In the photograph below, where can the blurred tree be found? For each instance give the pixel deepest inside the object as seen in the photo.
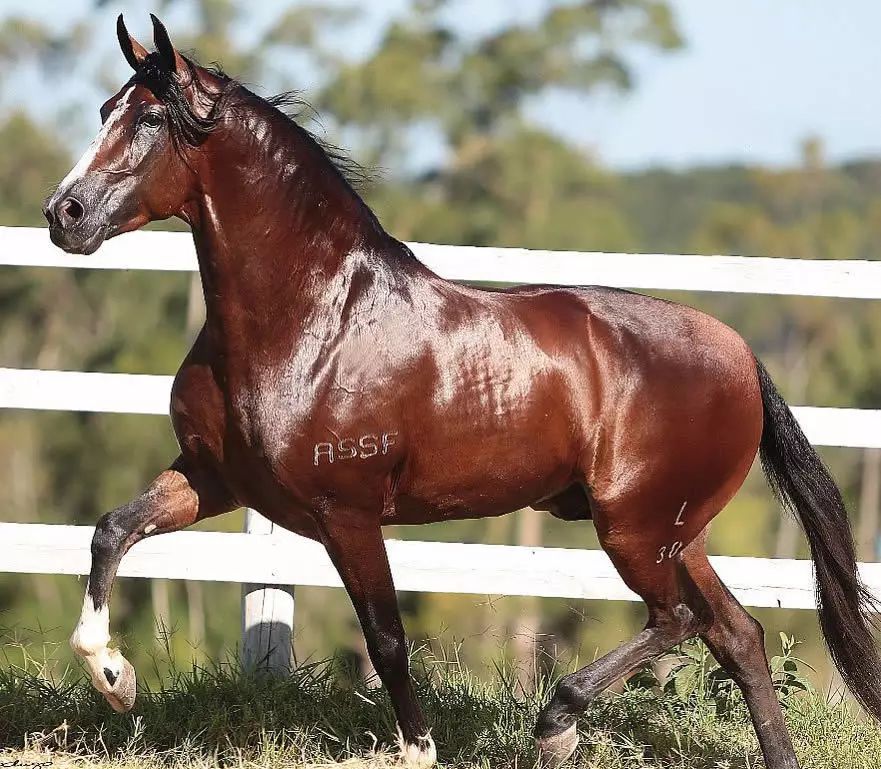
(475, 86)
(24, 39)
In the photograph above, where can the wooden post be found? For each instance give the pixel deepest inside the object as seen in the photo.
(267, 616)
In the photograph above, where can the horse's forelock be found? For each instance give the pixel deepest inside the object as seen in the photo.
(186, 125)
(155, 74)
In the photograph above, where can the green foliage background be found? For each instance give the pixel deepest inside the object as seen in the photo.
(499, 179)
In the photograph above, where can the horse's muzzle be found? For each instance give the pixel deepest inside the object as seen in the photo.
(69, 225)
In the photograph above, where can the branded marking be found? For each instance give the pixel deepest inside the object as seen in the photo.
(679, 521)
(668, 553)
(363, 447)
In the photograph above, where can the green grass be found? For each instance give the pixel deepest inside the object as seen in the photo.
(222, 717)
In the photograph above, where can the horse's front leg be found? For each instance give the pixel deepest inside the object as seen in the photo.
(355, 545)
(177, 498)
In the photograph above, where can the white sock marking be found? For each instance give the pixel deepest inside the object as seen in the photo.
(92, 632)
(89, 641)
(415, 756)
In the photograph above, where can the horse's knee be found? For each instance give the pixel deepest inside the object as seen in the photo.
(743, 639)
(737, 640)
(755, 628)
(109, 536)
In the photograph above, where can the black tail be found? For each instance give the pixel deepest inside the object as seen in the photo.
(803, 485)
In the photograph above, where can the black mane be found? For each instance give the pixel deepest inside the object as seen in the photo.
(191, 129)
(292, 105)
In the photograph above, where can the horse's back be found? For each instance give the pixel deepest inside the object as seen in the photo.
(617, 345)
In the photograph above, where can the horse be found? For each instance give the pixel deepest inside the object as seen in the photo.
(339, 385)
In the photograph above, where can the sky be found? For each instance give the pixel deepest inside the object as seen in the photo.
(755, 79)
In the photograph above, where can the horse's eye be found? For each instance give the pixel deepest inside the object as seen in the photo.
(151, 120)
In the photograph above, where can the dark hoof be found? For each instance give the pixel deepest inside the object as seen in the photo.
(554, 751)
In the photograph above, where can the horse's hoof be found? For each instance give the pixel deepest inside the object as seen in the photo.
(419, 755)
(122, 687)
(553, 751)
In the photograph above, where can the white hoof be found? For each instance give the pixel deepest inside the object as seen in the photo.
(554, 751)
(122, 692)
(421, 755)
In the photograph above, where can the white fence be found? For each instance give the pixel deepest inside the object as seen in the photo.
(275, 557)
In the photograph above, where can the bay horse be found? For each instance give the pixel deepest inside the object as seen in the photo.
(339, 385)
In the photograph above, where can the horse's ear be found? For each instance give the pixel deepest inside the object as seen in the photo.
(133, 51)
(169, 54)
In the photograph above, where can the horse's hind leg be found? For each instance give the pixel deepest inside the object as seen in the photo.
(555, 732)
(685, 598)
(177, 498)
(673, 618)
(737, 642)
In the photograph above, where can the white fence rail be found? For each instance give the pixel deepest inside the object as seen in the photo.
(173, 251)
(148, 394)
(436, 567)
(285, 559)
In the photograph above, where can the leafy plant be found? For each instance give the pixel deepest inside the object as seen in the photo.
(696, 677)
(693, 677)
(786, 671)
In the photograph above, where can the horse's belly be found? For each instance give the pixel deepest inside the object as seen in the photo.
(502, 431)
(471, 473)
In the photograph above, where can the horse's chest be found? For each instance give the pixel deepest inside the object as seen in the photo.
(262, 418)
(265, 422)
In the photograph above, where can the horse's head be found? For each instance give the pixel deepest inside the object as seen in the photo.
(140, 166)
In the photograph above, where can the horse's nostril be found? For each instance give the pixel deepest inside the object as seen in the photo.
(72, 209)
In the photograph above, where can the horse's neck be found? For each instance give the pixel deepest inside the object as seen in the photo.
(254, 281)
(272, 276)
(282, 240)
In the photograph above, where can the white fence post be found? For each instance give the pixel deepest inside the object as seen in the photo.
(267, 615)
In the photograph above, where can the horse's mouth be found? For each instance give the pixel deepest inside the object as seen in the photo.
(75, 243)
